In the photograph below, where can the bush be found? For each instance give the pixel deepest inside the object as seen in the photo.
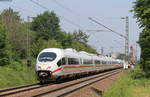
(147, 69)
(137, 73)
(4, 47)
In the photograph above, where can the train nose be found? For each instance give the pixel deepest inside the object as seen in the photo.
(45, 74)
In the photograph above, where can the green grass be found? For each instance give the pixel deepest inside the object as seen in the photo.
(16, 74)
(130, 84)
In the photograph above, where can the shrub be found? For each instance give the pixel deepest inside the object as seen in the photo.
(137, 73)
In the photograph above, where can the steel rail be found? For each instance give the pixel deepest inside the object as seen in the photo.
(20, 89)
(62, 91)
(10, 91)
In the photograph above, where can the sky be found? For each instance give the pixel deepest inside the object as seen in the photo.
(74, 16)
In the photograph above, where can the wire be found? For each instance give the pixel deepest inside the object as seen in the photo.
(67, 20)
(71, 22)
(39, 4)
(23, 9)
(66, 8)
(106, 27)
(62, 6)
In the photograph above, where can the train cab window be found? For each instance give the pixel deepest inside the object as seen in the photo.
(73, 61)
(62, 61)
(47, 56)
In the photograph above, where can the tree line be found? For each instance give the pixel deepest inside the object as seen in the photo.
(141, 11)
(43, 32)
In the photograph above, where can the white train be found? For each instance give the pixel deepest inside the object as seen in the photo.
(55, 63)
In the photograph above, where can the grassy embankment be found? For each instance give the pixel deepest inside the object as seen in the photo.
(131, 84)
(16, 74)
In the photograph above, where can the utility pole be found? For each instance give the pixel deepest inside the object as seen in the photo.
(102, 50)
(28, 43)
(136, 50)
(126, 37)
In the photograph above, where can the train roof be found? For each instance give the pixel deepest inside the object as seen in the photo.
(73, 53)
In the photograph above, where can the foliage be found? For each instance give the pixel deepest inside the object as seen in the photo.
(79, 46)
(80, 36)
(121, 56)
(46, 26)
(4, 47)
(129, 86)
(42, 44)
(45, 32)
(16, 32)
(16, 74)
(141, 10)
(67, 40)
(137, 73)
(17, 37)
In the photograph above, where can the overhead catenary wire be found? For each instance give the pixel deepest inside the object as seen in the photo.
(62, 6)
(106, 27)
(66, 8)
(71, 11)
(67, 20)
(39, 4)
(20, 8)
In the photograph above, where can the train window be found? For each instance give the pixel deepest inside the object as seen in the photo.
(103, 62)
(86, 61)
(62, 61)
(73, 61)
(97, 61)
(47, 56)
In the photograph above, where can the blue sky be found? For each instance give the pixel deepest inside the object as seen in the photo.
(107, 12)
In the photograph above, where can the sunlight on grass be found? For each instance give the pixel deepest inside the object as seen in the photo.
(127, 86)
(16, 74)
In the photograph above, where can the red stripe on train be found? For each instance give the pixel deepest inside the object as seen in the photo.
(57, 69)
(79, 66)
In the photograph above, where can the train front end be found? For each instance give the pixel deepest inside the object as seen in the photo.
(46, 66)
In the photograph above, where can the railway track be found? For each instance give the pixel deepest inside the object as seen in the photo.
(15, 90)
(62, 91)
(56, 90)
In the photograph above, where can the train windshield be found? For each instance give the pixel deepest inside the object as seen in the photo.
(47, 56)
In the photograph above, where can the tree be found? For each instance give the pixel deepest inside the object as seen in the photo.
(120, 56)
(46, 26)
(67, 40)
(42, 44)
(16, 32)
(141, 11)
(11, 20)
(4, 47)
(80, 36)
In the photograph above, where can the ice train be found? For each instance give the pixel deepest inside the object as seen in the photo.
(55, 63)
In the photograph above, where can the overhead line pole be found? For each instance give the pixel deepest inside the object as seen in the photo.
(126, 37)
(106, 27)
(28, 43)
